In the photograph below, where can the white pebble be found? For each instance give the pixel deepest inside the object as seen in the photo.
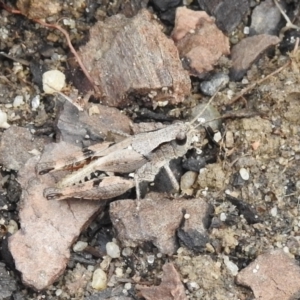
(79, 246)
(119, 272)
(273, 211)
(18, 101)
(35, 102)
(232, 267)
(187, 216)
(127, 251)
(58, 292)
(127, 286)
(223, 217)
(3, 120)
(246, 30)
(150, 259)
(99, 281)
(217, 137)
(244, 174)
(188, 179)
(113, 250)
(53, 81)
(12, 227)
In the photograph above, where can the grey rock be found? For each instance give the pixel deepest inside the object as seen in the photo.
(210, 87)
(164, 5)
(73, 126)
(228, 13)
(7, 283)
(265, 18)
(210, 113)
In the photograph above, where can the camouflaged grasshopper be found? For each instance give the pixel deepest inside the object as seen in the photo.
(143, 154)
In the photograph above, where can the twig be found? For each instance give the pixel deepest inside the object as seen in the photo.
(67, 36)
(289, 23)
(19, 60)
(251, 86)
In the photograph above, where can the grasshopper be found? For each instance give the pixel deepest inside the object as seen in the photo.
(143, 154)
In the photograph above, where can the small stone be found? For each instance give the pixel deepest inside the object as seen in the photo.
(53, 81)
(232, 267)
(12, 226)
(18, 101)
(105, 262)
(35, 102)
(188, 179)
(99, 281)
(246, 30)
(80, 246)
(265, 18)
(273, 211)
(128, 286)
(113, 250)
(209, 88)
(150, 259)
(229, 139)
(210, 113)
(164, 5)
(217, 137)
(228, 13)
(119, 272)
(187, 216)
(223, 217)
(192, 286)
(127, 251)
(3, 120)
(244, 174)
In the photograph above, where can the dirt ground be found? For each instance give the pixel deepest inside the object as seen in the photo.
(256, 161)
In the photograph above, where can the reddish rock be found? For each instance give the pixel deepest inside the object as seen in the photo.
(247, 51)
(132, 57)
(171, 287)
(199, 41)
(16, 146)
(272, 276)
(157, 218)
(48, 228)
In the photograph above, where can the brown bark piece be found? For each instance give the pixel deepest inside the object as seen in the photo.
(272, 276)
(198, 40)
(48, 228)
(133, 57)
(156, 219)
(247, 51)
(171, 287)
(38, 9)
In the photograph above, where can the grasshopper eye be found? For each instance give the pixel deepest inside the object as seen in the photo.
(181, 138)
